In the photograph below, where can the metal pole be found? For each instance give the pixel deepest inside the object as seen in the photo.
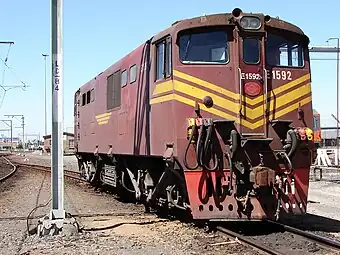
(23, 133)
(45, 55)
(57, 113)
(11, 130)
(337, 98)
(11, 135)
(337, 103)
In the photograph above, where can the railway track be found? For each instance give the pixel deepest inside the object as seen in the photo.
(320, 244)
(257, 243)
(323, 242)
(11, 172)
(67, 173)
(247, 241)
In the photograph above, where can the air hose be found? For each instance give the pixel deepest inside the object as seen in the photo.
(208, 144)
(201, 148)
(193, 131)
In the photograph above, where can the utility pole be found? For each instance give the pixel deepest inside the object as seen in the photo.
(45, 55)
(337, 99)
(11, 128)
(22, 126)
(53, 224)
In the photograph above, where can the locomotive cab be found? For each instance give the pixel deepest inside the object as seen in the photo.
(249, 77)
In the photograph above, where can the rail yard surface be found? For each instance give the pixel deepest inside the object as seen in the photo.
(109, 226)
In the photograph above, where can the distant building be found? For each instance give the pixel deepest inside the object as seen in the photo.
(5, 143)
(68, 141)
(328, 136)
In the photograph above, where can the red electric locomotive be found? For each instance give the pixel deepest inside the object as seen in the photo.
(211, 116)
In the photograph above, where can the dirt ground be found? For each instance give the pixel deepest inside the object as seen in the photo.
(125, 234)
(149, 234)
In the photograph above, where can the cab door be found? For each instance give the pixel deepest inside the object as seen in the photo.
(252, 86)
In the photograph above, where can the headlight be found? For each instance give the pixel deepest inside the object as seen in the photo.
(247, 22)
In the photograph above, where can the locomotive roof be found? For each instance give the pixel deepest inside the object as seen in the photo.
(209, 20)
(222, 19)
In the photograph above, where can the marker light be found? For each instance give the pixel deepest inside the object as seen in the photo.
(248, 22)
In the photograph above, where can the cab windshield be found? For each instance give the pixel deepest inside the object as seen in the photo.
(204, 47)
(284, 50)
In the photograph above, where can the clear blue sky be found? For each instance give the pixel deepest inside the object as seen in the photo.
(97, 33)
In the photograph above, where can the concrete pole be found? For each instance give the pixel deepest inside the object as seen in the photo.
(58, 211)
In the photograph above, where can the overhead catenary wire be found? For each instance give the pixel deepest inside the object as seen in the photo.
(2, 85)
(11, 69)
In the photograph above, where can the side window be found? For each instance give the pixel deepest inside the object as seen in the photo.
(251, 50)
(114, 90)
(92, 95)
(124, 78)
(83, 101)
(163, 59)
(160, 60)
(168, 59)
(133, 73)
(88, 97)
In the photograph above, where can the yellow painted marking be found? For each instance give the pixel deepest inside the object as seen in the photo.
(236, 96)
(163, 87)
(200, 94)
(224, 115)
(205, 84)
(103, 118)
(103, 122)
(103, 115)
(231, 105)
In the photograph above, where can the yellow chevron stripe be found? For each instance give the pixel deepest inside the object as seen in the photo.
(103, 115)
(200, 94)
(103, 122)
(278, 102)
(231, 105)
(163, 87)
(175, 97)
(251, 101)
(206, 84)
(103, 118)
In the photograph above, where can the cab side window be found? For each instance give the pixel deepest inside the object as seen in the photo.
(163, 59)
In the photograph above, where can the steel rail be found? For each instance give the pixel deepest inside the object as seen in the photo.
(248, 241)
(317, 238)
(38, 166)
(11, 173)
(48, 169)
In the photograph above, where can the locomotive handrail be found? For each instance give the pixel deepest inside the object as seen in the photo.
(265, 83)
(241, 91)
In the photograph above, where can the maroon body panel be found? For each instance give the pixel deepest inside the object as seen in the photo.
(102, 127)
